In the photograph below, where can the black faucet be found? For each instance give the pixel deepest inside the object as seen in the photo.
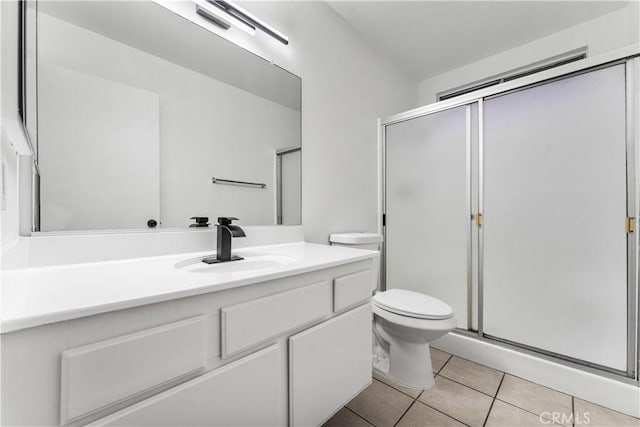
(223, 248)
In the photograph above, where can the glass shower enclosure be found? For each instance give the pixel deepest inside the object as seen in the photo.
(516, 205)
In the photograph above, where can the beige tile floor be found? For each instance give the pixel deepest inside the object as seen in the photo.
(467, 393)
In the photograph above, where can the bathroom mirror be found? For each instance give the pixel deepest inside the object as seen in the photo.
(141, 118)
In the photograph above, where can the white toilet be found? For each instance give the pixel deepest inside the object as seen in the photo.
(404, 324)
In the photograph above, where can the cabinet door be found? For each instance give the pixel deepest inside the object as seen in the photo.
(98, 375)
(247, 392)
(328, 365)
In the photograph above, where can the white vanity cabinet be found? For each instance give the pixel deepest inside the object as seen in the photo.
(288, 351)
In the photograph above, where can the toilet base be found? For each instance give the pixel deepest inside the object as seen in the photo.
(404, 363)
(385, 374)
(401, 346)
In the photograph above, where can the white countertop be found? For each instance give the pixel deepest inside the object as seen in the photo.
(37, 296)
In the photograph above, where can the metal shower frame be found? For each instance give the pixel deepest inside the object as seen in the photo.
(629, 56)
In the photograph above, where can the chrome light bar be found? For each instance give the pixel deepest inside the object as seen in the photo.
(219, 17)
(249, 19)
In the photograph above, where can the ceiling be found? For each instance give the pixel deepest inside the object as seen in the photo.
(426, 38)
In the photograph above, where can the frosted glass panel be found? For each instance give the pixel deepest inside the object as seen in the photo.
(554, 210)
(291, 188)
(426, 207)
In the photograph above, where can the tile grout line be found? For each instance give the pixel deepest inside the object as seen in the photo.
(417, 399)
(404, 413)
(538, 384)
(486, 418)
(402, 391)
(474, 389)
(444, 364)
(397, 386)
(443, 413)
(435, 373)
(524, 409)
(493, 401)
(495, 397)
(358, 415)
(532, 413)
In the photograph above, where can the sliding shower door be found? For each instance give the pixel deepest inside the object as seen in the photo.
(289, 186)
(427, 207)
(555, 203)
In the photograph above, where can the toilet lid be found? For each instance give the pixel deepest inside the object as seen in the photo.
(412, 304)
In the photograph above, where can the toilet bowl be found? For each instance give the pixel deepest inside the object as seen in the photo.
(404, 323)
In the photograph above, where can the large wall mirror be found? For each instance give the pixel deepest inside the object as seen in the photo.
(134, 112)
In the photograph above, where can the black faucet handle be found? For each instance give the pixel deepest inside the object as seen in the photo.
(226, 220)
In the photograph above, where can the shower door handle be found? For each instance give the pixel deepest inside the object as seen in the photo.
(478, 218)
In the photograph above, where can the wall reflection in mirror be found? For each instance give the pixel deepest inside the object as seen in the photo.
(133, 110)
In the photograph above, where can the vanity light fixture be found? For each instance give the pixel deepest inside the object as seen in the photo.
(220, 17)
(225, 13)
(240, 13)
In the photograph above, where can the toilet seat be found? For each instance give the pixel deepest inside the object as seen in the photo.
(414, 322)
(412, 304)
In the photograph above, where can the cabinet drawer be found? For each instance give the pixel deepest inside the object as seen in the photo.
(247, 324)
(97, 375)
(328, 365)
(247, 392)
(352, 289)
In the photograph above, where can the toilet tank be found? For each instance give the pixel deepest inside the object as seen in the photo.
(368, 241)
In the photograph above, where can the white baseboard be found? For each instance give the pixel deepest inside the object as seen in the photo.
(601, 390)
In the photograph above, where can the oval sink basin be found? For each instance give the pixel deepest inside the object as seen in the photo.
(249, 263)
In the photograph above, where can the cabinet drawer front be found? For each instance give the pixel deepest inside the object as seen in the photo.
(97, 375)
(329, 364)
(253, 322)
(247, 392)
(351, 289)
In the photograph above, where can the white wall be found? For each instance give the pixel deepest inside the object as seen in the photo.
(605, 33)
(346, 86)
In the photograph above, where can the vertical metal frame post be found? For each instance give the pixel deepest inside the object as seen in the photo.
(632, 71)
(481, 211)
(469, 214)
(382, 203)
